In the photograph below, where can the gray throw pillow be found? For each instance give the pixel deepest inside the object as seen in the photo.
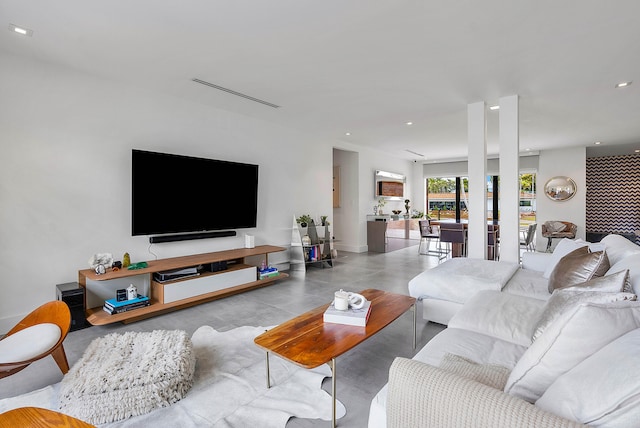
(578, 266)
(564, 299)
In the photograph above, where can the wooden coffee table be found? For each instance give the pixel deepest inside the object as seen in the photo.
(309, 342)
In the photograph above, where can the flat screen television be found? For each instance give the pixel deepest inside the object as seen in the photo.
(181, 194)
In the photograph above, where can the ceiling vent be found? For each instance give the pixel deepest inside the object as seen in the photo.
(232, 92)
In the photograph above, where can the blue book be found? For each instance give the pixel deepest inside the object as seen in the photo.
(115, 304)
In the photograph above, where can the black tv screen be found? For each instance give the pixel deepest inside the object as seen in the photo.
(179, 194)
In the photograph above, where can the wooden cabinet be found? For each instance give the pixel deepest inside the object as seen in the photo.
(168, 296)
(311, 245)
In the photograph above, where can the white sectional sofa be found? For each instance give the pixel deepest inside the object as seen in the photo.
(513, 356)
(444, 289)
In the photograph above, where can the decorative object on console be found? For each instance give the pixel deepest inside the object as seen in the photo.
(139, 265)
(132, 292)
(100, 262)
(406, 205)
(126, 260)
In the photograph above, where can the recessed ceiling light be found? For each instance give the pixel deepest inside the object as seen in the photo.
(494, 107)
(347, 133)
(527, 150)
(637, 150)
(21, 30)
(623, 84)
(409, 123)
(597, 143)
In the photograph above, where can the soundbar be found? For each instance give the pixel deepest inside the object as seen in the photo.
(189, 236)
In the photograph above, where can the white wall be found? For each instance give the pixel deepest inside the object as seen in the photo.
(357, 188)
(65, 174)
(565, 162)
(347, 214)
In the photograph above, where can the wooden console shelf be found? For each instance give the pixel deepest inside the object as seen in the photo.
(159, 305)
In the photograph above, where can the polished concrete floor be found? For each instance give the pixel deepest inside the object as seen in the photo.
(361, 372)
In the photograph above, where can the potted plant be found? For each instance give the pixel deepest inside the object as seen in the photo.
(381, 203)
(304, 220)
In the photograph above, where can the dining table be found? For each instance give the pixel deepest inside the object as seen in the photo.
(457, 249)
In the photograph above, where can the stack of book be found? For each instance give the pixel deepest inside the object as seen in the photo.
(357, 317)
(112, 306)
(268, 272)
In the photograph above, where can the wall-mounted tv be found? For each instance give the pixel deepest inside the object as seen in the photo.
(181, 194)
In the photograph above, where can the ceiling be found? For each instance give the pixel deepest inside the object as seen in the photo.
(365, 67)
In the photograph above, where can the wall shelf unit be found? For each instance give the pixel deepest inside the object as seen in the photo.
(311, 245)
(185, 292)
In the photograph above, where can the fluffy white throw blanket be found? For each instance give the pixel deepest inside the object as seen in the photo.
(128, 374)
(229, 388)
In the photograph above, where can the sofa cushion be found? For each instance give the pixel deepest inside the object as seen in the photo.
(489, 374)
(564, 247)
(613, 373)
(493, 313)
(563, 300)
(530, 283)
(619, 247)
(457, 279)
(631, 263)
(578, 266)
(568, 341)
(477, 347)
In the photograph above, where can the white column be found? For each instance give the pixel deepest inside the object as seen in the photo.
(509, 179)
(477, 168)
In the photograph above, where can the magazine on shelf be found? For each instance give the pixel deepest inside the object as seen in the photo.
(357, 317)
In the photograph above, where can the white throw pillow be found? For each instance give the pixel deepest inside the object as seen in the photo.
(563, 300)
(602, 390)
(568, 341)
(618, 247)
(564, 247)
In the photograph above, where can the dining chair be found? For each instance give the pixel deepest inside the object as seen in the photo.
(493, 241)
(428, 233)
(528, 242)
(455, 236)
(39, 334)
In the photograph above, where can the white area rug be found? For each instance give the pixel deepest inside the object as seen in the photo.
(229, 388)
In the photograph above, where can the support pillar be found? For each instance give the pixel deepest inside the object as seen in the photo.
(509, 179)
(477, 168)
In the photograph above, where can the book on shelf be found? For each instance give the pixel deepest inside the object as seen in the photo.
(357, 317)
(113, 303)
(125, 308)
(268, 273)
